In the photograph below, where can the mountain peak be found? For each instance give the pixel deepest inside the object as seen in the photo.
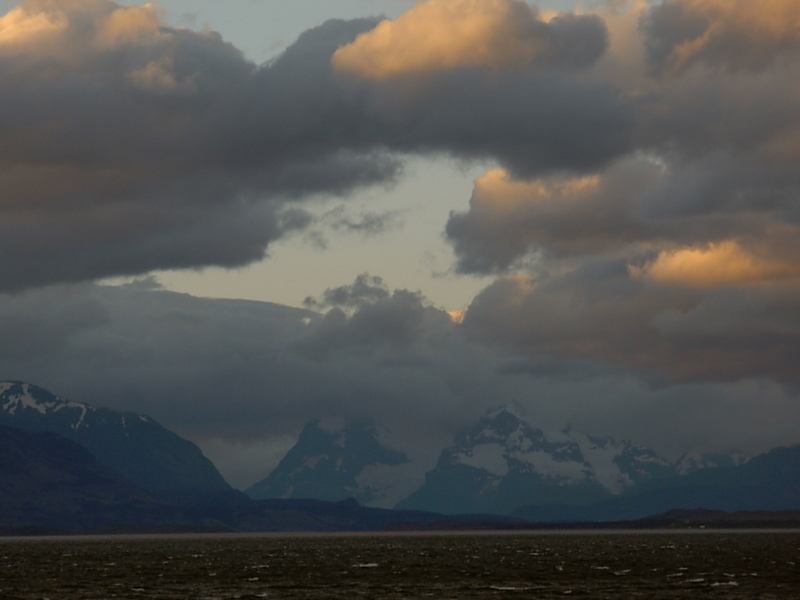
(503, 462)
(505, 411)
(17, 396)
(332, 425)
(133, 445)
(334, 459)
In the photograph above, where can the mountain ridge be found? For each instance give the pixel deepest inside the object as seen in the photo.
(504, 466)
(502, 460)
(767, 482)
(133, 445)
(499, 466)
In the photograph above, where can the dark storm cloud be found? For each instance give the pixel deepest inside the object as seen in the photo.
(243, 372)
(397, 320)
(130, 146)
(531, 121)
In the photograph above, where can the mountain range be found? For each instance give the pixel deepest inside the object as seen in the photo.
(66, 464)
(49, 484)
(503, 465)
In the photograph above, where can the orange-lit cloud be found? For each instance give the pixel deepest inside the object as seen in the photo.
(497, 191)
(457, 316)
(22, 26)
(61, 28)
(445, 34)
(562, 215)
(128, 24)
(723, 263)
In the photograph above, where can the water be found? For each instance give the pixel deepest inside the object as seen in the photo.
(593, 565)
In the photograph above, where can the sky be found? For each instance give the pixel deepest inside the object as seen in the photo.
(238, 216)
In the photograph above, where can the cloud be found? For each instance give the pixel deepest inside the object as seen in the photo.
(735, 34)
(510, 218)
(724, 263)
(603, 311)
(365, 289)
(19, 27)
(134, 146)
(442, 35)
(674, 259)
(242, 378)
(367, 223)
(396, 320)
(236, 374)
(131, 146)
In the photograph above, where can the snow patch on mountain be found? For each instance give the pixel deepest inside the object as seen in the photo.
(502, 463)
(503, 443)
(553, 467)
(134, 445)
(698, 459)
(386, 485)
(335, 459)
(601, 457)
(32, 398)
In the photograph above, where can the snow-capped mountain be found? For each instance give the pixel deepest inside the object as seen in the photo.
(697, 460)
(503, 463)
(133, 445)
(768, 481)
(335, 459)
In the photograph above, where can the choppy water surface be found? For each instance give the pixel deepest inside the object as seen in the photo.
(525, 565)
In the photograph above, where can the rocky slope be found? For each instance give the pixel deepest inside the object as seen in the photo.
(135, 446)
(49, 481)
